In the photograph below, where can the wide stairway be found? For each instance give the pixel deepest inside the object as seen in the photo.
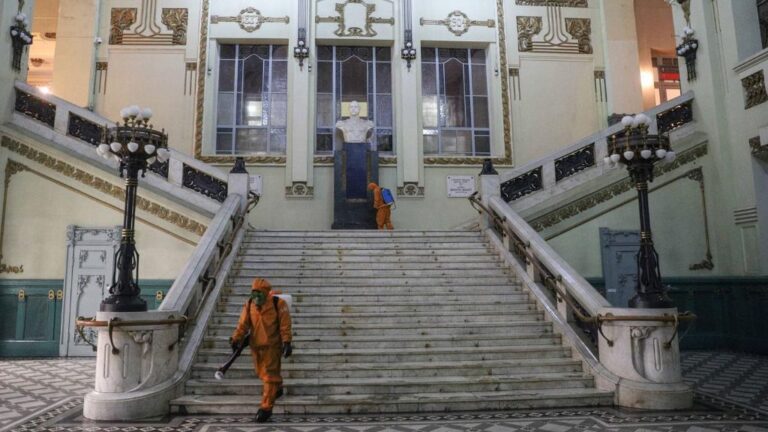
(384, 322)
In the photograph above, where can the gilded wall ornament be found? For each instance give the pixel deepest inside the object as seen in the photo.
(754, 90)
(148, 30)
(88, 179)
(458, 23)
(410, 190)
(249, 19)
(759, 151)
(527, 28)
(504, 71)
(347, 29)
(299, 190)
(581, 30)
(559, 3)
(11, 169)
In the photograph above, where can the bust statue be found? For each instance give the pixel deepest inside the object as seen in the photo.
(355, 129)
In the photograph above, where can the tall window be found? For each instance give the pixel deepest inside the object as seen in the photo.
(346, 74)
(454, 87)
(252, 103)
(666, 79)
(762, 15)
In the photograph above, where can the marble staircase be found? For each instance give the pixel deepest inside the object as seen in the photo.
(384, 322)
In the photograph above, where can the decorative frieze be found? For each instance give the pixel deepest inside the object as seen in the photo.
(458, 23)
(559, 3)
(410, 190)
(148, 30)
(522, 185)
(562, 36)
(249, 19)
(754, 90)
(102, 185)
(354, 29)
(299, 189)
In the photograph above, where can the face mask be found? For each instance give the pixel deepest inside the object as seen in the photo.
(258, 297)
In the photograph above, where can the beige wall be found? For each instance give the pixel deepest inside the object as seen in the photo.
(655, 34)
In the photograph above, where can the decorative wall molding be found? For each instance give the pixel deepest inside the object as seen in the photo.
(458, 23)
(250, 19)
(103, 186)
(299, 189)
(562, 36)
(759, 151)
(190, 73)
(613, 190)
(410, 190)
(148, 30)
(504, 72)
(697, 175)
(517, 91)
(100, 81)
(354, 30)
(559, 3)
(601, 88)
(754, 89)
(11, 169)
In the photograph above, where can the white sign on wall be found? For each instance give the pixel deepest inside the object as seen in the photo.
(254, 184)
(461, 186)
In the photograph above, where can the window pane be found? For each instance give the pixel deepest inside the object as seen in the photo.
(226, 110)
(454, 78)
(454, 112)
(277, 141)
(384, 111)
(384, 142)
(324, 143)
(428, 55)
(324, 77)
(464, 142)
(354, 80)
(482, 145)
(479, 81)
(325, 117)
(429, 111)
(430, 144)
(429, 79)
(383, 78)
(251, 141)
(279, 52)
(324, 53)
(478, 56)
(449, 141)
(279, 76)
(278, 110)
(480, 106)
(226, 75)
(384, 54)
(252, 112)
(252, 74)
(261, 51)
(227, 52)
(224, 142)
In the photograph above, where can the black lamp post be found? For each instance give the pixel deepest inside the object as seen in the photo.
(639, 150)
(135, 145)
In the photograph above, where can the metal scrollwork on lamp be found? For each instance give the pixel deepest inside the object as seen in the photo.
(408, 53)
(301, 51)
(639, 150)
(20, 38)
(134, 145)
(687, 49)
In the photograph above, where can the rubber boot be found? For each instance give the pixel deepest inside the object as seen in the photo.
(263, 415)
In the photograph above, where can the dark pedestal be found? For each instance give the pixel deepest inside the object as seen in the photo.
(354, 167)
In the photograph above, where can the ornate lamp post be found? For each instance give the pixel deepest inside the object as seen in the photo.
(134, 144)
(639, 150)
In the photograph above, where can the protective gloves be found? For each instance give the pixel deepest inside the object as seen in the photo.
(287, 349)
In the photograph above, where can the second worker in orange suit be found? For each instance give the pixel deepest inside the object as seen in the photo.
(383, 212)
(270, 328)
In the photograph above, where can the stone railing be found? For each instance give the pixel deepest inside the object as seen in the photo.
(637, 351)
(144, 358)
(78, 131)
(569, 167)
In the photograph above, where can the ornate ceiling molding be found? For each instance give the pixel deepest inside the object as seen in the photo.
(103, 186)
(345, 30)
(250, 19)
(458, 23)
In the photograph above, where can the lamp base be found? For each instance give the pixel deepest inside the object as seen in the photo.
(116, 303)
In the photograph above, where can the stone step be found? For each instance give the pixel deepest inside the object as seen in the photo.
(495, 306)
(377, 267)
(417, 402)
(403, 240)
(405, 329)
(402, 354)
(394, 289)
(400, 370)
(320, 259)
(399, 341)
(383, 281)
(299, 273)
(467, 246)
(246, 253)
(388, 297)
(342, 319)
(392, 386)
(363, 233)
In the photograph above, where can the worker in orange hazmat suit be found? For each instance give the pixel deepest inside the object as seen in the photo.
(383, 212)
(269, 321)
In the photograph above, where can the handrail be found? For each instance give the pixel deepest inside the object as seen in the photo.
(591, 139)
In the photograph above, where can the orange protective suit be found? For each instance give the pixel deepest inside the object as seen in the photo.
(267, 339)
(383, 212)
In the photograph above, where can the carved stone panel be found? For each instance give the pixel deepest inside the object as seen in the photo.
(90, 257)
(754, 90)
(355, 19)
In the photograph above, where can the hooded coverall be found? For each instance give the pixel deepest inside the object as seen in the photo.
(267, 337)
(383, 212)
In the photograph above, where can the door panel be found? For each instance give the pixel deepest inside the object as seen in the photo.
(619, 255)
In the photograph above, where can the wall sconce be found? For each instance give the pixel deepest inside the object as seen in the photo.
(687, 49)
(408, 53)
(301, 51)
(20, 38)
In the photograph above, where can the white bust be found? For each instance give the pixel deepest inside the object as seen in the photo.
(355, 129)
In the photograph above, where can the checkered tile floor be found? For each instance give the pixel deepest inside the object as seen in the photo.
(732, 395)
